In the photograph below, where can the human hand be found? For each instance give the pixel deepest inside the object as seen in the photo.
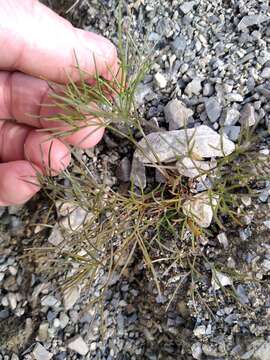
(36, 43)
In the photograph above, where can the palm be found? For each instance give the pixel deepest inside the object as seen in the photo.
(32, 47)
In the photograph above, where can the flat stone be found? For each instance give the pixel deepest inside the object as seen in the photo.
(73, 216)
(248, 117)
(78, 345)
(177, 114)
(179, 44)
(200, 208)
(233, 132)
(251, 20)
(196, 351)
(198, 143)
(70, 297)
(213, 109)
(220, 279)
(40, 353)
(194, 168)
(222, 238)
(56, 237)
(234, 97)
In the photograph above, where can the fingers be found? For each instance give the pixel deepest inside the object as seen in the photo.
(21, 97)
(43, 44)
(20, 142)
(18, 182)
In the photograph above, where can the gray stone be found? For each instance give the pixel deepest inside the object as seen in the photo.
(267, 223)
(179, 44)
(213, 109)
(194, 87)
(123, 170)
(220, 279)
(266, 264)
(231, 117)
(196, 351)
(138, 172)
(73, 216)
(234, 97)
(70, 297)
(198, 143)
(40, 353)
(56, 237)
(141, 92)
(222, 238)
(49, 300)
(78, 345)
(232, 132)
(265, 74)
(240, 291)
(248, 117)
(177, 114)
(2, 210)
(43, 331)
(200, 208)
(250, 20)
(194, 168)
(187, 6)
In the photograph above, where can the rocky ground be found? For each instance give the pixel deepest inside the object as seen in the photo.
(214, 56)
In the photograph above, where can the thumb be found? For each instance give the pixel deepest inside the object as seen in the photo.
(38, 42)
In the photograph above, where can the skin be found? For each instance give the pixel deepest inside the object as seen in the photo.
(38, 44)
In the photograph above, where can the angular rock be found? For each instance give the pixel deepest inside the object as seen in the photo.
(194, 87)
(78, 345)
(40, 353)
(196, 351)
(213, 109)
(123, 170)
(177, 114)
(231, 117)
(70, 297)
(200, 208)
(251, 20)
(56, 237)
(138, 172)
(233, 132)
(194, 168)
(198, 143)
(248, 117)
(234, 97)
(161, 81)
(220, 279)
(73, 216)
(187, 6)
(265, 74)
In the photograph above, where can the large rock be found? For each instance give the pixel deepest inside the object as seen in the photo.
(198, 143)
(194, 168)
(200, 208)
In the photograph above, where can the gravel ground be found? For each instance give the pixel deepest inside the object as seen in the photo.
(215, 57)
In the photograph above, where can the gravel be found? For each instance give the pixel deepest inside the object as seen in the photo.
(205, 52)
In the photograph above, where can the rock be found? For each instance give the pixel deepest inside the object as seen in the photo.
(141, 92)
(12, 300)
(161, 81)
(70, 297)
(240, 291)
(248, 117)
(199, 331)
(232, 132)
(40, 353)
(64, 320)
(258, 349)
(266, 264)
(231, 117)
(200, 208)
(187, 6)
(179, 44)
(138, 172)
(265, 74)
(78, 345)
(177, 114)
(234, 97)
(220, 279)
(201, 142)
(267, 223)
(222, 238)
(251, 20)
(43, 331)
(194, 87)
(73, 216)
(213, 109)
(123, 170)
(56, 237)
(50, 301)
(194, 168)
(2, 210)
(196, 351)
